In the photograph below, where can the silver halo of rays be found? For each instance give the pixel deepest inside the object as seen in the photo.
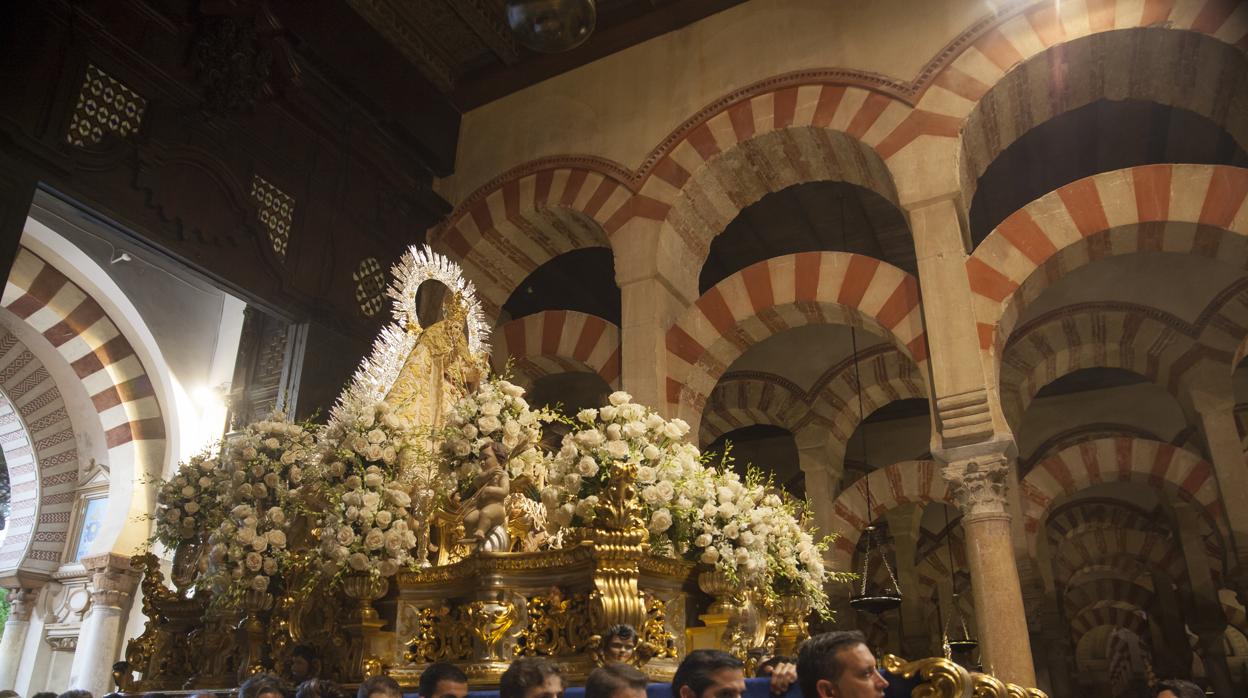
(379, 371)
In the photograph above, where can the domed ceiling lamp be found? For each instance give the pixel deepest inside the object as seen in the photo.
(870, 598)
(551, 26)
(966, 642)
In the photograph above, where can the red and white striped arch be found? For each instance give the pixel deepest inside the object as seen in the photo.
(112, 374)
(1145, 341)
(908, 482)
(827, 413)
(1114, 616)
(559, 341)
(41, 454)
(1190, 209)
(781, 293)
(1097, 591)
(1090, 548)
(1031, 58)
(1119, 459)
(510, 227)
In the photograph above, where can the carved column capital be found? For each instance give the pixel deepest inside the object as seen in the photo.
(22, 603)
(979, 485)
(112, 581)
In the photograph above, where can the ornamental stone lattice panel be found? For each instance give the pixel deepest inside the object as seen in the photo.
(370, 285)
(277, 212)
(105, 106)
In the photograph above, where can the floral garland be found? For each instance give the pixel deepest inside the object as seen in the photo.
(704, 514)
(261, 472)
(186, 504)
(495, 413)
(371, 461)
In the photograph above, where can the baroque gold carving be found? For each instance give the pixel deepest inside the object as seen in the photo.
(557, 626)
(441, 634)
(941, 677)
(490, 621)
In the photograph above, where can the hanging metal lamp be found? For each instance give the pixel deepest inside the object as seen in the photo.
(966, 643)
(551, 26)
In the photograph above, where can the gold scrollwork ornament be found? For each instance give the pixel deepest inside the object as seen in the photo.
(941, 677)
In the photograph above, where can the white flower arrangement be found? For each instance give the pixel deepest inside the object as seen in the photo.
(495, 413)
(261, 471)
(371, 461)
(186, 504)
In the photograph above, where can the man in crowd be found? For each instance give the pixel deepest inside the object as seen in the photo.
(615, 680)
(531, 677)
(709, 674)
(1176, 688)
(379, 687)
(319, 688)
(781, 670)
(443, 680)
(262, 686)
(838, 665)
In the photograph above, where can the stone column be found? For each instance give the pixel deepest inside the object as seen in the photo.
(1175, 657)
(903, 523)
(1058, 652)
(1209, 622)
(21, 605)
(978, 481)
(1216, 408)
(815, 460)
(652, 296)
(112, 590)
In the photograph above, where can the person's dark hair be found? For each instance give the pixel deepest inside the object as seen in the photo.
(695, 671)
(761, 669)
(319, 688)
(76, 693)
(817, 660)
(379, 684)
(302, 651)
(1180, 688)
(439, 671)
(152, 694)
(259, 684)
(525, 673)
(44, 694)
(9, 693)
(609, 678)
(624, 631)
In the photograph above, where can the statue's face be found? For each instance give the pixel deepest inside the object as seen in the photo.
(488, 459)
(619, 650)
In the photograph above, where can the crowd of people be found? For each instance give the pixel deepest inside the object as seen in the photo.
(832, 665)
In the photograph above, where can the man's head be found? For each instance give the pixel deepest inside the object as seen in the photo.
(838, 665)
(443, 680)
(75, 693)
(709, 674)
(319, 688)
(44, 694)
(531, 677)
(765, 669)
(261, 686)
(619, 643)
(615, 680)
(1176, 688)
(304, 663)
(379, 687)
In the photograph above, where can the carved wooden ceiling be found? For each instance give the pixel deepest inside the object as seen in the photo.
(464, 48)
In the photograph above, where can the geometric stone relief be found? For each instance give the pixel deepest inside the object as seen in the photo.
(370, 283)
(104, 106)
(277, 211)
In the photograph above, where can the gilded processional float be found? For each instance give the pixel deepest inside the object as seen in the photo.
(437, 516)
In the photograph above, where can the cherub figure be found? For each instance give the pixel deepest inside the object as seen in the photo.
(484, 509)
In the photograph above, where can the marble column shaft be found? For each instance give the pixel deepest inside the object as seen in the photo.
(22, 604)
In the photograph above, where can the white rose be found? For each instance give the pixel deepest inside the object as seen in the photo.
(491, 408)
(345, 536)
(399, 497)
(384, 518)
(246, 535)
(511, 389)
(260, 543)
(613, 432)
(373, 479)
(590, 437)
(587, 415)
(651, 452)
(371, 500)
(511, 428)
(205, 481)
(619, 397)
(617, 449)
(260, 582)
(572, 482)
(646, 474)
(709, 556)
(376, 436)
(654, 421)
(470, 431)
(587, 467)
(253, 561)
(270, 479)
(660, 521)
(276, 515)
(666, 490)
(277, 539)
(191, 507)
(633, 430)
(607, 413)
(358, 562)
(393, 541)
(374, 539)
(702, 540)
(272, 443)
(650, 494)
(270, 566)
(188, 491)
